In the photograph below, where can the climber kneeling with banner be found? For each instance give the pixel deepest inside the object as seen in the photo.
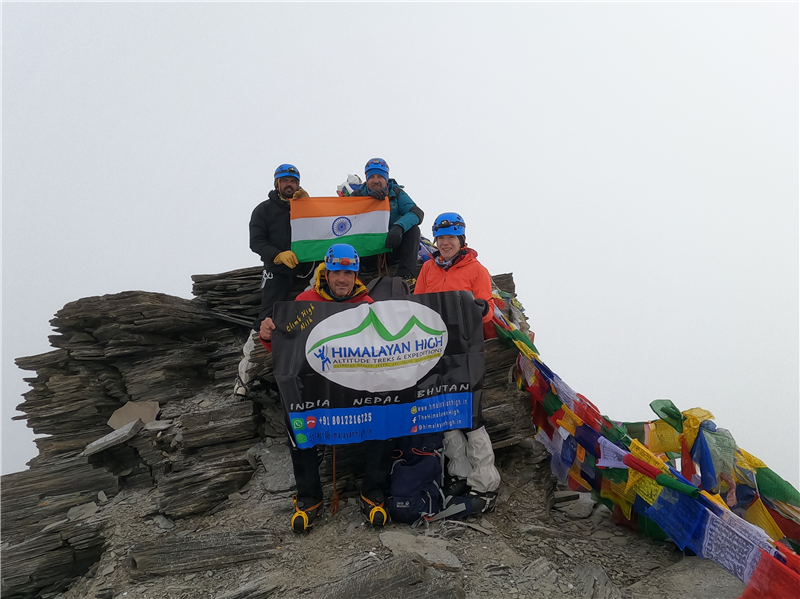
(351, 370)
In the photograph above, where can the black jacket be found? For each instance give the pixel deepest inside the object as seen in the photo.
(271, 233)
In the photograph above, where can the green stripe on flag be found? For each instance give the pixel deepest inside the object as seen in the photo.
(366, 244)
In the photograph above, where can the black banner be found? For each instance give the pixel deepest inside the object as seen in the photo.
(352, 372)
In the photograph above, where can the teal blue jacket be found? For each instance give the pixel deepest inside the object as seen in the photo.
(402, 209)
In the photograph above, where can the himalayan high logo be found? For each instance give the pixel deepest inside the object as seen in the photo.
(385, 346)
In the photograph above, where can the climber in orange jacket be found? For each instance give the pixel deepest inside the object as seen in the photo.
(455, 267)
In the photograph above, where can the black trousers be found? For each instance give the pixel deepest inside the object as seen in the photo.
(405, 255)
(377, 466)
(276, 289)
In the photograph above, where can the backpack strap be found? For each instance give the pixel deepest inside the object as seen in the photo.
(386, 287)
(451, 510)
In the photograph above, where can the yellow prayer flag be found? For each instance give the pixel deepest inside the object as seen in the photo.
(575, 474)
(663, 437)
(525, 350)
(757, 514)
(647, 489)
(607, 491)
(692, 423)
(743, 471)
(570, 420)
(716, 499)
(752, 460)
(699, 413)
(624, 489)
(640, 451)
(633, 478)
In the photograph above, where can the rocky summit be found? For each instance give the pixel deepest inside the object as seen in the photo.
(154, 481)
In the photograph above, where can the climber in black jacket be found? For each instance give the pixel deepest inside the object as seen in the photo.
(271, 239)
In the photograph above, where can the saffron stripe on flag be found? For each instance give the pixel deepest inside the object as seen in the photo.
(366, 244)
(336, 206)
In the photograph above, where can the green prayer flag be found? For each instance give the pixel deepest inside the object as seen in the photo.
(666, 410)
(602, 500)
(635, 430)
(507, 338)
(773, 486)
(504, 337)
(614, 433)
(525, 339)
(551, 403)
(650, 529)
(671, 457)
(615, 475)
(676, 485)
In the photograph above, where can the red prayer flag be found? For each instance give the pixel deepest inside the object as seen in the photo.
(789, 527)
(772, 580)
(792, 560)
(687, 463)
(539, 417)
(559, 415)
(588, 412)
(631, 461)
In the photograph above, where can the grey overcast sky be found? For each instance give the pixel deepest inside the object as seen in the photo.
(635, 165)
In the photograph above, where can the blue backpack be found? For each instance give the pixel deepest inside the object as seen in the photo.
(416, 482)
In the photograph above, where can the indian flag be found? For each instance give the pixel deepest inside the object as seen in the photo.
(318, 223)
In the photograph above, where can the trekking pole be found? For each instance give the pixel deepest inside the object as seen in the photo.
(382, 265)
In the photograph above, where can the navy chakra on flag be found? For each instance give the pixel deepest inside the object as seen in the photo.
(341, 226)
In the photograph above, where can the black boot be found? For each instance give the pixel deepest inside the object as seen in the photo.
(373, 511)
(483, 503)
(306, 510)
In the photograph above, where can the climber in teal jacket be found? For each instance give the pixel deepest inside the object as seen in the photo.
(404, 218)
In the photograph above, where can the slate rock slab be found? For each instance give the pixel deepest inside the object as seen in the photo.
(278, 463)
(82, 511)
(391, 578)
(690, 578)
(202, 552)
(581, 508)
(146, 411)
(595, 583)
(112, 439)
(432, 551)
(258, 589)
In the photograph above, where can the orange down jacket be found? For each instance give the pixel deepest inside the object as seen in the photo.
(466, 274)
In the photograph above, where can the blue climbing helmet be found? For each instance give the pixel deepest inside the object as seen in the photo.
(286, 170)
(377, 166)
(341, 256)
(449, 223)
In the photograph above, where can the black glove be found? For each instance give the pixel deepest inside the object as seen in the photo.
(379, 195)
(394, 236)
(483, 305)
